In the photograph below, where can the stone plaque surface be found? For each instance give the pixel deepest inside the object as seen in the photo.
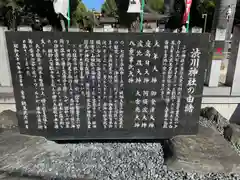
(107, 86)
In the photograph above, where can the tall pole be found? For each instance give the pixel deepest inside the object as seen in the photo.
(69, 23)
(188, 22)
(188, 4)
(205, 22)
(141, 16)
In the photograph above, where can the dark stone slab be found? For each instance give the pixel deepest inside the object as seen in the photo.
(5, 176)
(229, 129)
(206, 152)
(214, 118)
(19, 153)
(8, 120)
(16, 150)
(232, 134)
(127, 119)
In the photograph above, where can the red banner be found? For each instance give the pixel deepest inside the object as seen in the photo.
(187, 11)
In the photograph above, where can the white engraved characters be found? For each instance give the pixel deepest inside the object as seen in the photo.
(142, 69)
(192, 82)
(20, 78)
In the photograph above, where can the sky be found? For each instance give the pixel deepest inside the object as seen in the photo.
(93, 4)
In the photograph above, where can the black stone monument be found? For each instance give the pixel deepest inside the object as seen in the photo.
(85, 86)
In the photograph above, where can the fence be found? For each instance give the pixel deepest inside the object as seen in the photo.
(222, 75)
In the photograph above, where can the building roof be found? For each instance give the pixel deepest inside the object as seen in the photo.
(153, 17)
(149, 15)
(108, 20)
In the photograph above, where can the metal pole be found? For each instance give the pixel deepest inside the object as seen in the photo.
(188, 4)
(69, 23)
(205, 22)
(188, 22)
(141, 15)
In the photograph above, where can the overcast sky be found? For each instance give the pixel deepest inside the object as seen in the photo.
(96, 4)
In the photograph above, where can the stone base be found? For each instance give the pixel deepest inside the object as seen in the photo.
(8, 121)
(35, 156)
(206, 152)
(18, 153)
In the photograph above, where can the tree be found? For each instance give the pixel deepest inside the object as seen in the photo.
(79, 15)
(14, 4)
(156, 5)
(13, 8)
(89, 21)
(207, 7)
(83, 17)
(45, 10)
(200, 7)
(118, 9)
(110, 9)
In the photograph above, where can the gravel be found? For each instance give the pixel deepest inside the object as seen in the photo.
(110, 161)
(100, 161)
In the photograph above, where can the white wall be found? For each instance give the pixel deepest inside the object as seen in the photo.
(5, 77)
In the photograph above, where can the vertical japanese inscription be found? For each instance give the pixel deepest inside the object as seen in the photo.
(110, 83)
(87, 83)
(20, 78)
(121, 85)
(113, 84)
(26, 60)
(168, 113)
(142, 69)
(34, 51)
(99, 75)
(75, 102)
(53, 87)
(60, 74)
(116, 82)
(71, 63)
(104, 71)
(93, 77)
(192, 82)
(42, 97)
(104, 64)
(177, 89)
(68, 93)
(23, 102)
(170, 87)
(80, 88)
